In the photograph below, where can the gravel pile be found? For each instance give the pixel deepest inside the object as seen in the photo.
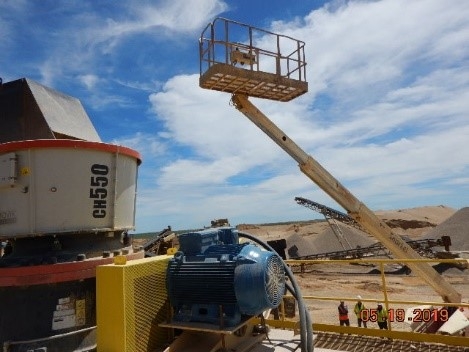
(457, 227)
(327, 241)
(352, 239)
(298, 246)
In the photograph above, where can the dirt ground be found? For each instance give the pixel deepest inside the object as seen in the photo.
(348, 281)
(321, 282)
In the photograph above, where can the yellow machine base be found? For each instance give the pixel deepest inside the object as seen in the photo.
(131, 301)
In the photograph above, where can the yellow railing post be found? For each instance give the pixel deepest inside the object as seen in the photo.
(385, 292)
(302, 264)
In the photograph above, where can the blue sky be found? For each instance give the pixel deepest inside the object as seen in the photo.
(387, 111)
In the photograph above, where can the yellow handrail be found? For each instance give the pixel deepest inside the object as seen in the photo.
(375, 332)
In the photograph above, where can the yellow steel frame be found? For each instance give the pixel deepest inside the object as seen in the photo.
(401, 335)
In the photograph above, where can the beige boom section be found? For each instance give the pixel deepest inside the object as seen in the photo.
(232, 55)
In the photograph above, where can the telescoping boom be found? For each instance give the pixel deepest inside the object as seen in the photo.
(356, 209)
(282, 77)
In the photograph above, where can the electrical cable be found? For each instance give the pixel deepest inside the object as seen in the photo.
(306, 327)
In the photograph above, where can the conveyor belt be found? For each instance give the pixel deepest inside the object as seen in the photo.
(423, 247)
(151, 247)
(420, 246)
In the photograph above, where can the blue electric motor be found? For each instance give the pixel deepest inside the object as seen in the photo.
(214, 279)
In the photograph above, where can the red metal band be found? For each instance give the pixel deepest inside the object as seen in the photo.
(54, 273)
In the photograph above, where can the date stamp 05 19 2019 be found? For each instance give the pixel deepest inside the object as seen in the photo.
(419, 315)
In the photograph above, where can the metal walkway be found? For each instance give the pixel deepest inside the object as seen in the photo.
(357, 343)
(284, 341)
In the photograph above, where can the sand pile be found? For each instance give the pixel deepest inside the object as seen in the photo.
(352, 239)
(432, 214)
(408, 222)
(298, 246)
(414, 222)
(316, 236)
(457, 227)
(327, 241)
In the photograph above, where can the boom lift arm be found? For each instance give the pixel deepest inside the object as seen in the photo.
(277, 72)
(356, 209)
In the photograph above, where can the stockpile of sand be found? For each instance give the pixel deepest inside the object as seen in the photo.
(414, 222)
(317, 237)
(432, 214)
(327, 241)
(299, 246)
(351, 239)
(411, 222)
(457, 227)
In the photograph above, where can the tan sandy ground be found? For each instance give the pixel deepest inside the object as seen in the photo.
(350, 280)
(401, 288)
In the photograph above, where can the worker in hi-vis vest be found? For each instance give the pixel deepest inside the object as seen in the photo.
(382, 317)
(359, 310)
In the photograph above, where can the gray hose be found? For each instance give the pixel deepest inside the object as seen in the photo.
(309, 323)
(306, 327)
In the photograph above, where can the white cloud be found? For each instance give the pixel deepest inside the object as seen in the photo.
(89, 81)
(147, 144)
(177, 16)
(205, 121)
(362, 44)
(393, 130)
